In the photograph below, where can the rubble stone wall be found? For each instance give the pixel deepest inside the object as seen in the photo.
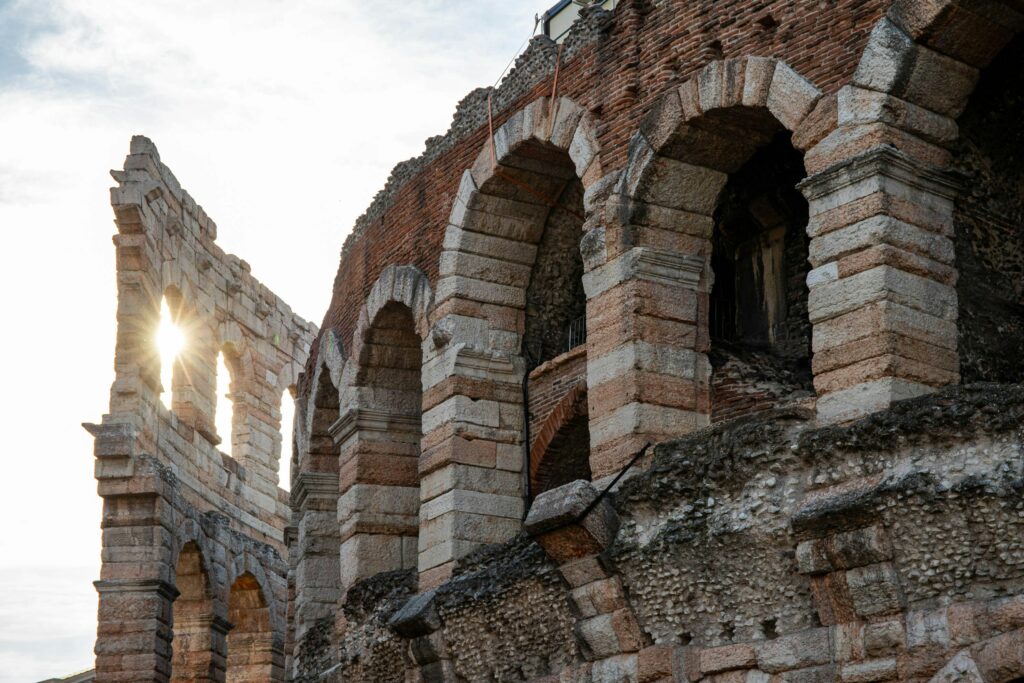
(887, 549)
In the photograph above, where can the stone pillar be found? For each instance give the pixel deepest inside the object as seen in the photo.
(882, 290)
(133, 637)
(379, 492)
(647, 333)
(471, 467)
(315, 498)
(200, 648)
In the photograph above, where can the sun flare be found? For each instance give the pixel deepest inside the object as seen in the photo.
(170, 341)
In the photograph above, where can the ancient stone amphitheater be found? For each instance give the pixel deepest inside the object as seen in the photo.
(692, 352)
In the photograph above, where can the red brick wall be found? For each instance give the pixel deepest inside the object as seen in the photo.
(644, 49)
(550, 382)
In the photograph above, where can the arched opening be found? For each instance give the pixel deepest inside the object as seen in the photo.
(251, 655)
(315, 498)
(758, 323)
(288, 455)
(195, 647)
(555, 301)
(170, 343)
(379, 439)
(224, 410)
(988, 219)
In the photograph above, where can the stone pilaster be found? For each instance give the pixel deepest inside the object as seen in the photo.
(882, 290)
(471, 469)
(378, 492)
(647, 302)
(315, 497)
(133, 637)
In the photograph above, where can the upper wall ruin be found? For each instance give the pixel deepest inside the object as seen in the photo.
(194, 574)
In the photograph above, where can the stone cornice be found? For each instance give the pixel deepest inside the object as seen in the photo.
(313, 485)
(158, 586)
(371, 420)
(884, 161)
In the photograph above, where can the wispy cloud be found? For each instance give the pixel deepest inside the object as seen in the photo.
(283, 118)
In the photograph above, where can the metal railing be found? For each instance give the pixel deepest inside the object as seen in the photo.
(577, 333)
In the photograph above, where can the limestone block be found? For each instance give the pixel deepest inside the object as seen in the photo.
(498, 270)
(509, 135)
(462, 410)
(657, 422)
(875, 590)
(880, 230)
(480, 290)
(884, 317)
(642, 356)
(583, 571)
(583, 148)
(571, 521)
(720, 84)
(794, 651)
(939, 83)
(365, 555)
(727, 657)
(678, 185)
(859, 105)
(645, 263)
(757, 81)
(886, 58)
(960, 669)
(832, 299)
(618, 669)
(567, 118)
(662, 122)
(599, 597)
(927, 628)
(417, 617)
(869, 397)
(791, 97)
(484, 529)
(884, 638)
(473, 502)
(483, 244)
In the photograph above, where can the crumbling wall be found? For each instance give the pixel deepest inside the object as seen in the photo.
(165, 485)
(768, 546)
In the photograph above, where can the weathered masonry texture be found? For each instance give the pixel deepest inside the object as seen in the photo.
(705, 367)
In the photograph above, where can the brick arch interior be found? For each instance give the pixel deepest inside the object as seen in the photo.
(251, 655)
(560, 453)
(197, 645)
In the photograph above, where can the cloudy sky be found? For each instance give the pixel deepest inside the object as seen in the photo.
(281, 117)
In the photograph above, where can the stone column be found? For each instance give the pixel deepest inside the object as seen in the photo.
(882, 290)
(471, 481)
(315, 498)
(133, 637)
(647, 282)
(379, 492)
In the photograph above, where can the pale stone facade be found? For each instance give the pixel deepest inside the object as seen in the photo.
(825, 517)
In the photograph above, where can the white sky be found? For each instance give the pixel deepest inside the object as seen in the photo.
(281, 117)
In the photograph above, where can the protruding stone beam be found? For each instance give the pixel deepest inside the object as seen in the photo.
(575, 525)
(882, 290)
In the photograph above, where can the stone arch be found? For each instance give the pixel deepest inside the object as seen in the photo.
(543, 160)
(379, 431)
(255, 645)
(195, 369)
(649, 274)
(197, 646)
(314, 497)
(561, 449)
